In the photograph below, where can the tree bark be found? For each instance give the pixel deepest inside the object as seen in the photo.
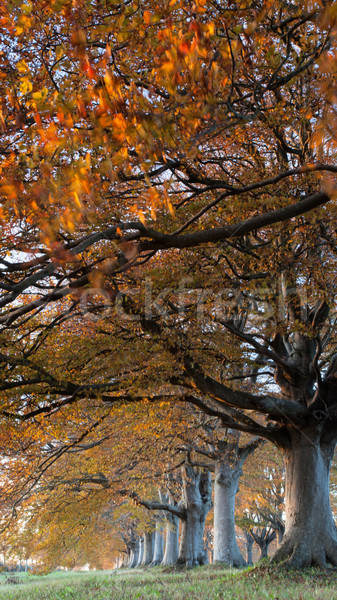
(158, 552)
(310, 533)
(171, 539)
(197, 501)
(148, 548)
(226, 485)
(134, 555)
(171, 551)
(141, 551)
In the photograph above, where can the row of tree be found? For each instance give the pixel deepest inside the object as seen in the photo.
(85, 506)
(89, 505)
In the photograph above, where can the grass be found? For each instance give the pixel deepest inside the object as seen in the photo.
(204, 583)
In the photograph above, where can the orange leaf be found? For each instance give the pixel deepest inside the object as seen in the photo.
(184, 48)
(147, 17)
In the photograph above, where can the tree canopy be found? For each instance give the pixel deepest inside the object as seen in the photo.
(132, 128)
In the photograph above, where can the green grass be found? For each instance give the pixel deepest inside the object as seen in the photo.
(204, 583)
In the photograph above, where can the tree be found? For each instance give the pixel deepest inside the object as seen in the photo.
(225, 454)
(192, 510)
(263, 537)
(196, 503)
(228, 469)
(210, 135)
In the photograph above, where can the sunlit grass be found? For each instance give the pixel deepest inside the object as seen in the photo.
(205, 583)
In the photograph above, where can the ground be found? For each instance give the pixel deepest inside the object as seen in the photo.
(202, 583)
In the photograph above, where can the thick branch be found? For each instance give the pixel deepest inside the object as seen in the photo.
(174, 510)
(279, 409)
(216, 234)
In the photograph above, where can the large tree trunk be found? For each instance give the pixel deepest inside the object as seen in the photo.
(226, 485)
(171, 552)
(191, 549)
(310, 532)
(148, 548)
(171, 540)
(158, 551)
(141, 551)
(197, 501)
(134, 556)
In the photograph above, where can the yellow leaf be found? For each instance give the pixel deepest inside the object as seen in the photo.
(141, 217)
(77, 200)
(119, 122)
(210, 28)
(25, 86)
(70, 225)
(168, 67)
(22, 66)
(171, 208)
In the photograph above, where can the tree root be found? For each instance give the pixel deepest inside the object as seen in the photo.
(300, 554)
